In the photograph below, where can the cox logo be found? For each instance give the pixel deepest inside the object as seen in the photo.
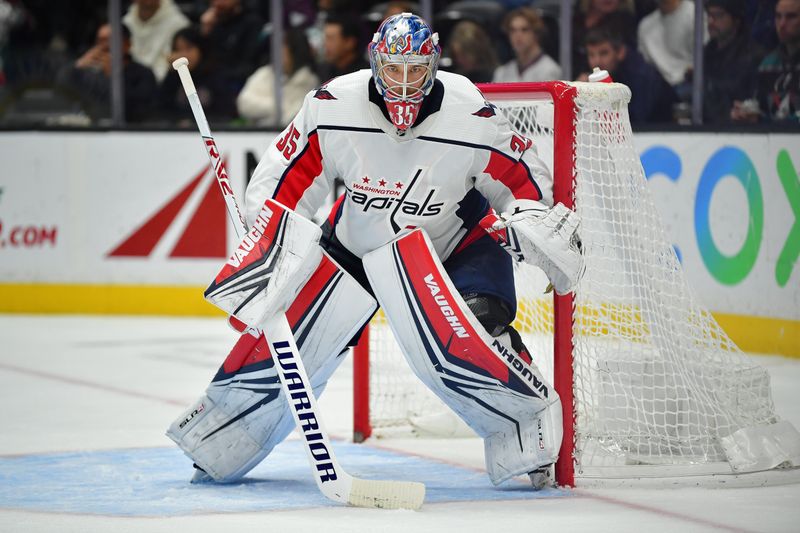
(732, 161)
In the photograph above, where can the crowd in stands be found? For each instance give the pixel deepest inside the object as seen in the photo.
(751, 54)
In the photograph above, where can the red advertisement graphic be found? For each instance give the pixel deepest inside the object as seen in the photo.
(27, 235)
(204, 235)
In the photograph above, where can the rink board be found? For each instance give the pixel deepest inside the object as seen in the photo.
(154, 482)
(133, 223)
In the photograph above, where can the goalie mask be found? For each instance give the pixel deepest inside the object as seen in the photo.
(404, 54)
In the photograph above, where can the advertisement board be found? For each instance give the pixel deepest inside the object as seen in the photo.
(133, 221)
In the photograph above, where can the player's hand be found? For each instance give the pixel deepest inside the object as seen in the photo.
(91, 59)
(745, 111)
(208, 20)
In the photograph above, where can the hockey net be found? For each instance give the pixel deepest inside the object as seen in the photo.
(651, 386)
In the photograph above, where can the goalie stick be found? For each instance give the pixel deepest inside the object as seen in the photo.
(331, 479)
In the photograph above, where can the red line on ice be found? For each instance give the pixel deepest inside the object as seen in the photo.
(91, 384)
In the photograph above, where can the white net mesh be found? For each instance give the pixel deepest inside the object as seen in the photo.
(657, 381)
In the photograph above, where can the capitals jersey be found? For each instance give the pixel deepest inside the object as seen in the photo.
(442, 174)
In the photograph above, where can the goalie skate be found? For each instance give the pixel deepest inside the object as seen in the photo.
(542, 477)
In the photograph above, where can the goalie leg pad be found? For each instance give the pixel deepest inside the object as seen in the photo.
(243, 414)
(491, 386)
(504, 459)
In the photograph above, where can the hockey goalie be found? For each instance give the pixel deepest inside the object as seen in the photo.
(441, 197)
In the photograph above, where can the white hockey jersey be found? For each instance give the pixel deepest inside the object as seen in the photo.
(398, 182)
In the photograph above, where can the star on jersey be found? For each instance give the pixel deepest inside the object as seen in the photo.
(365, 179)
(382, 183)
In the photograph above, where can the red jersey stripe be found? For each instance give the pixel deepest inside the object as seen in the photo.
(514, 175)
(301, 174)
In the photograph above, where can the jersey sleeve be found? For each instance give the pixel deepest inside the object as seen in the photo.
(292, 170)
(510, 169)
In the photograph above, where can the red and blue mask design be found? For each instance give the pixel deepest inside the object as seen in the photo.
(404, 54)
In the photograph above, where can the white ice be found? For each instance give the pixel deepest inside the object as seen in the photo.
(93, 384)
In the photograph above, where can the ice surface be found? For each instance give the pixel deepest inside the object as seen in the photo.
(86, 401)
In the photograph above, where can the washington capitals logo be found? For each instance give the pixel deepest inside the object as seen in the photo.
(323, 94)
(395, 199)
(486, 111)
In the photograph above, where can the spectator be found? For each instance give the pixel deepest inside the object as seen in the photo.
(526, 30)
(316, 30)
(760, 16)
(46, 37)
(651, 96)
(10, 16)
(90, 76)
(666, 40)
(343, 53)
(153, 23)
(616, 15)
(730, 59)
(219, 101)
(256, 102)
(397, 7)
(642, 8)
(233, 33)
(472, 52)
(778, 83)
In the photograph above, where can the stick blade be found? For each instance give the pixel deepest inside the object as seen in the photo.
(386, 494)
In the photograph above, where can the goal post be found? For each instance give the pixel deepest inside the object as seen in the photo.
(563, 168)
(651, 386)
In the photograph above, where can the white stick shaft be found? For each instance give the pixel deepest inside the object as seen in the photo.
(331, 479)
(217, 163)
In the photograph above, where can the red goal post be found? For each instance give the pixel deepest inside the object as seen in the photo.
(563, 191)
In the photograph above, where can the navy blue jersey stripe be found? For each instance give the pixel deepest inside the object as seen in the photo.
(348, 128)
(466, 144)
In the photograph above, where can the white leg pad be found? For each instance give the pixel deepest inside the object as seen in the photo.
(496, 392)
(225, 454)
(504, 459)
(243, 414)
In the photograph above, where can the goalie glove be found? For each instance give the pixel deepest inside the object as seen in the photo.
(541, 236)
